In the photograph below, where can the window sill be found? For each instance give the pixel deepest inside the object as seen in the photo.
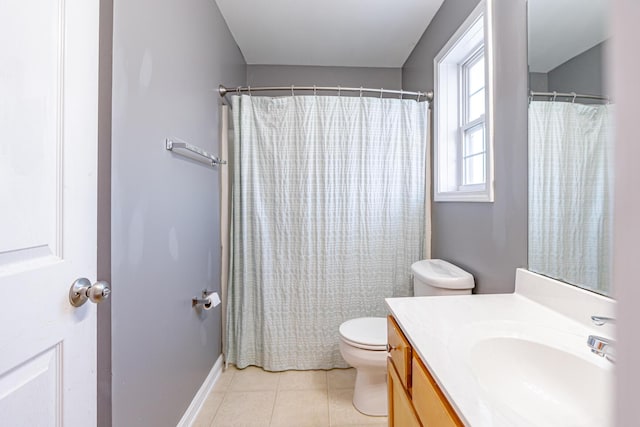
(464, 196)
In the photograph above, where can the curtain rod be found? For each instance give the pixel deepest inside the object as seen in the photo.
(223, 91)
(573, 95)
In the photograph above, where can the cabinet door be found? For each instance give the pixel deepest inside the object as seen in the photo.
(401, 413)
(430, 403)
(399, 352)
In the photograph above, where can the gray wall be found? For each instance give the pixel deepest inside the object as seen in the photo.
(104, 212)
(168, 58)
(581, 74)
(487, 239)
(287, 75)
(539, 82)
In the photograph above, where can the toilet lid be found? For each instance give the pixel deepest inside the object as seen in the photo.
(366, 332)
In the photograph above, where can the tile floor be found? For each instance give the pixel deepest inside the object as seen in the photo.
(254, 397)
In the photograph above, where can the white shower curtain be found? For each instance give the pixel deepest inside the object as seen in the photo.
(570, 185)
(328, 215)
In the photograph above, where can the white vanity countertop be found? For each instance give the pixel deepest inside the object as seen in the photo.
(445, 331)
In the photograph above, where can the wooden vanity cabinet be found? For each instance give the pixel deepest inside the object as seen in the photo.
(414, 397)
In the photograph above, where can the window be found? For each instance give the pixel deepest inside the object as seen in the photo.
(462, 112)
(472, 124)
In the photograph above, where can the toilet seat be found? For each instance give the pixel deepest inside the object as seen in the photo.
(368, 333)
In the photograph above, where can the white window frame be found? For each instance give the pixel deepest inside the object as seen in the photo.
(449, 109)
(465, 124)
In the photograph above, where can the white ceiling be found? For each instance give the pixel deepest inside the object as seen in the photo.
(562, 29)
(353, 33)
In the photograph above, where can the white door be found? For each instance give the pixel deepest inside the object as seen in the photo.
(48, 145)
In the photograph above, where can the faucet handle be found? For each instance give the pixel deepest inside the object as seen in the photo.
(601, 320)
(597, 344)
(603, 347)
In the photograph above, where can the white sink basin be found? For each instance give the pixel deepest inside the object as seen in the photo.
(544, 385)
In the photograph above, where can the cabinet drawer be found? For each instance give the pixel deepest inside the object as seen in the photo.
(430, 404)
(399, 352)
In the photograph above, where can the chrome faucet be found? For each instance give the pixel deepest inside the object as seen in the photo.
(603, 347)
(601, 320)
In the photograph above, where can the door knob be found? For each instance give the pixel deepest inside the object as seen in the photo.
(82, 290)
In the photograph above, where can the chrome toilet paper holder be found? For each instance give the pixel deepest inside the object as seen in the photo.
(204, 301)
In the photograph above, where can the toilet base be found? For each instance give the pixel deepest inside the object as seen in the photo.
(370, 392)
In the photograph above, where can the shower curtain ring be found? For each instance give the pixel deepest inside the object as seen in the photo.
(249, 89)
(401, 94)
(574, 97)
(360, 91)
(238, 91)
(554, 95)
(292, 94)
(338, 90)
(418, 98)
(381, 90)
(314, 90)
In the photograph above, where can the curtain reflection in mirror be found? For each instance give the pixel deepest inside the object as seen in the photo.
(570, 183)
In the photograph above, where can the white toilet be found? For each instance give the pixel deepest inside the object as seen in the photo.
(363, 341)
(363, 345)
(433, 277)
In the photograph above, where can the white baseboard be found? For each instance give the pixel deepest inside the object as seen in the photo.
(196, 404)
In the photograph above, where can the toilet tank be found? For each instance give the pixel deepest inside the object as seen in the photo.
(437, 277)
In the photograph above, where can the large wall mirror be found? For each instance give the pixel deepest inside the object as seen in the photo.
(570, 142)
